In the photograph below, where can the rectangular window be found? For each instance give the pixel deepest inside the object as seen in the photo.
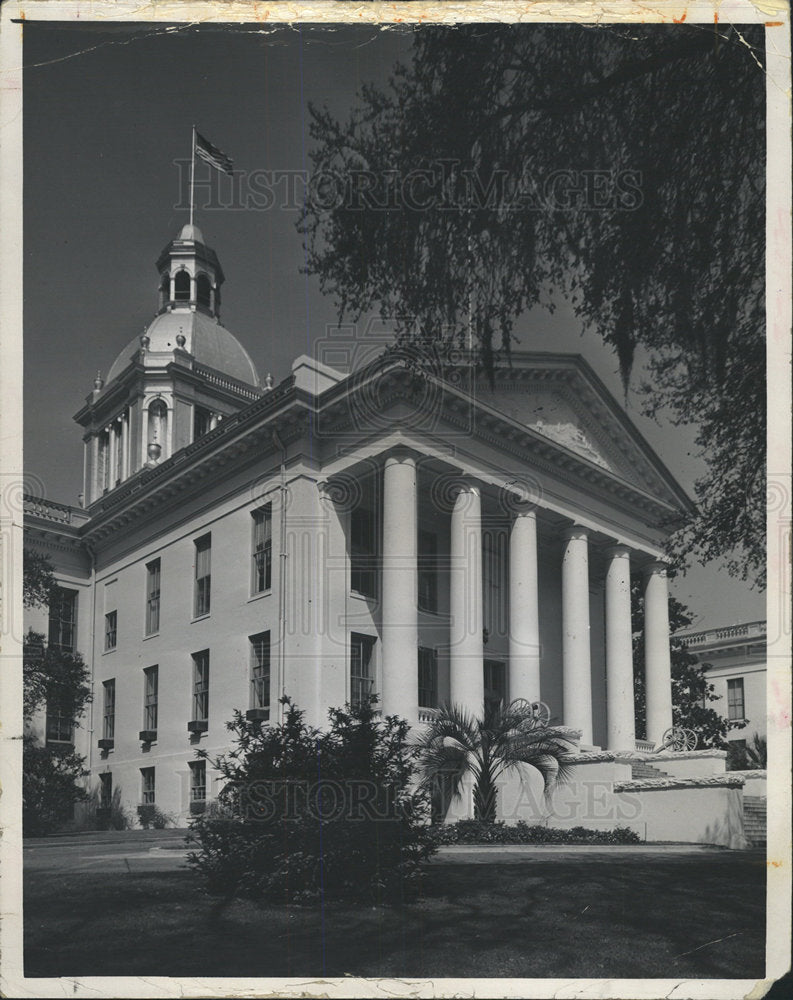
(428, 571)
(147, 786)
(111, 627)
(495, 683)
(62, 633)
(494, 582)
(735, 703)
(150, 676)
(153, 597)
(201, 685)
(198, 780)
(60, 724)
(361, 668)
(260, 671)
(262, 548)
(363, 552)
(203, 575)
(109, 710)
(105, 790)
(428, 677)
(201, 422)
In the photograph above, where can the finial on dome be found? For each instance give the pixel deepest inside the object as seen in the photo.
(268, 382)
(99, 382)
(191, 232)
(145, 340)
(181, 340)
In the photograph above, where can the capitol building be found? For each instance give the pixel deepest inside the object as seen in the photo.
(413, 529)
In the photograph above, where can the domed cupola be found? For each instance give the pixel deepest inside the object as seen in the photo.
(190, 274)
(173, 383)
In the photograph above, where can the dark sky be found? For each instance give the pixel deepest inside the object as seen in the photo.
(107, 112)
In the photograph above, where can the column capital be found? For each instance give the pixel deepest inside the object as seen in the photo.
(617, 551)
(520, 497)
(400, 453)
(656, 567)
(575, 531)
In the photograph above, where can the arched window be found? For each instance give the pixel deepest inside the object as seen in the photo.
(181, 286)
(165, 290)
(203, 291)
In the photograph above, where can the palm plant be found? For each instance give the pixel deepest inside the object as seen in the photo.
(505, 738)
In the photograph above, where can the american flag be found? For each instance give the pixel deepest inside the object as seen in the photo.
(212, 155)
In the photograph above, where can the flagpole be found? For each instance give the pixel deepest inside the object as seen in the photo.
(192, 174)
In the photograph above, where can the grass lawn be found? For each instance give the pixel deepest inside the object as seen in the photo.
(560, 915)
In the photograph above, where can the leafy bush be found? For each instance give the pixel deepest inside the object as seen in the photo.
(152, 818)
(473, 831)
(306, 813)
(50, 789)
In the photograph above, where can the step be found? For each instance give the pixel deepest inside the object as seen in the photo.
(641, 769)
(754, 820)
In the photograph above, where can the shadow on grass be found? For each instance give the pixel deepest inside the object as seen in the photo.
(693, 916)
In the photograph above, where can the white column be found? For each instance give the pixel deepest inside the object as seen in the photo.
(125, 444)
(621, 726)
(524, 615)
(657, 661)
(110, 477)
(576, 654)
(400, 682)
(466, 652)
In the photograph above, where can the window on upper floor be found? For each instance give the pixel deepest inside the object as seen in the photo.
(428, 677)
(361, 668)
(150, 698)
(260, 671)
(203, 575)
(428, 571)
(735, 703)
(202, 419)
(111, 630)
(153, 597)
(201, 686)
(109, 709)
(62, 629)
(59, 723)
(363, 552)
(262, 555)
(494, 583)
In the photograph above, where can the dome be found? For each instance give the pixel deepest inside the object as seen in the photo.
(209, 343)
(191, 232)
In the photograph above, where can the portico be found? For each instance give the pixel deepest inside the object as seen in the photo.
(408, 494)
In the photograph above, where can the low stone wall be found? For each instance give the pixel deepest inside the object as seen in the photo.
(755, 782)
(690, 811)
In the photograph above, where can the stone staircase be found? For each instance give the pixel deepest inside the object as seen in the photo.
(754, 820)
(640, 769)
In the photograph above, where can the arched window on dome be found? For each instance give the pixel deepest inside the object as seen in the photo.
(181, 286)
(203, 291)
(165, 290)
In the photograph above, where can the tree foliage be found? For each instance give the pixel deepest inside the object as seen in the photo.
(619, 167)
(692, 693)
(306, 813)
(506, 738)
(60, 679)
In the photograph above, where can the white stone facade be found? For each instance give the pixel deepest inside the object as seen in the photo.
(419, 532)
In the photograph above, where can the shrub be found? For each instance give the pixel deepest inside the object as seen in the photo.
(152, 818)
(50, 788)
(473, 831)
(305, 813)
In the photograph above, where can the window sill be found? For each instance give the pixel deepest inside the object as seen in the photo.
(111, 650)
(260, 595)
(200, 618)
(197, 726)
(151, 635)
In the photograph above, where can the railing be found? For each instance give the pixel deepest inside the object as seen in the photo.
(645, 746)
(49, 510)
(427, 714)
(226, 382)
(745, 631)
